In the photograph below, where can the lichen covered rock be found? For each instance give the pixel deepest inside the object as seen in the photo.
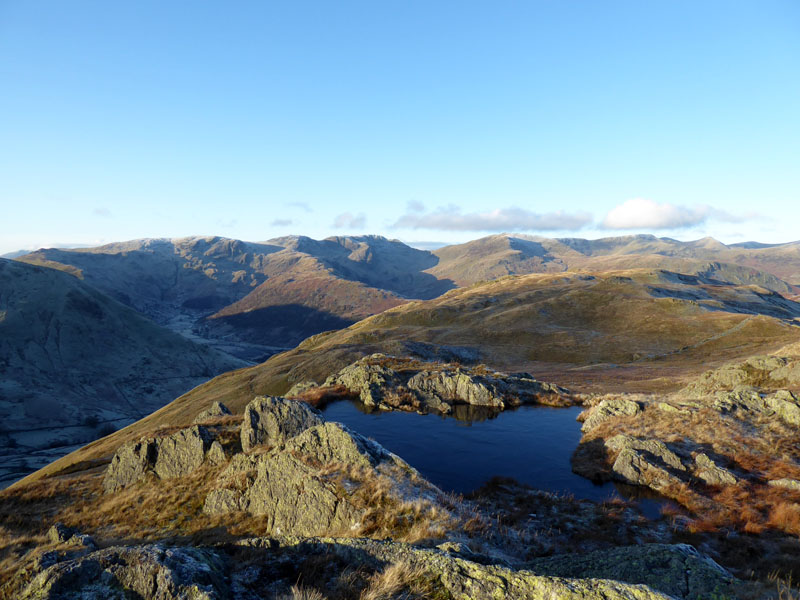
(217, 409)
(271, 420)
(711, 473)
(610, 408)
(166, 457)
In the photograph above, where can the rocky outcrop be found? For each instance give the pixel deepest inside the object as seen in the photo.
(61, 534)
(646, 462)
(166, 457)
(607, 409)
(711, 473)
(217, 410)
(302, 481)
(763, 372)
(678, 570)
(298, 486)
(393, 383)
(156, 571)
(270, 420)
(369, 378)
(151, 572)
(747, 402)
(789, 484)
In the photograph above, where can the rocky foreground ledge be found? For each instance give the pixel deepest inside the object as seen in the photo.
(283, 503)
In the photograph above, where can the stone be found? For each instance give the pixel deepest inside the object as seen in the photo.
(632, 466)
(300, 387)
(271, 420)
(367, 379)
(648, 463)
(789, 484)
(786, 406)
(161, 572)
(675, 569)
(129, 464)
(181, 453)
(151, 572)
(217, 409)
(222, 501)
(610, 408)
(656, 448)
(166, 457)
(216, 454)
(711, 473)
(333, 443)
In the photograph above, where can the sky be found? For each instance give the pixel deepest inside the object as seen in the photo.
(422, 121)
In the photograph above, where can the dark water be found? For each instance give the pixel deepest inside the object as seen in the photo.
(531, 444)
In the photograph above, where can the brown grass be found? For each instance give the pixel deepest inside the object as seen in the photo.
(395, 578)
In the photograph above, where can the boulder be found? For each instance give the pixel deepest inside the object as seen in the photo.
(300, 387)
(786, 407)
(217, 409)
(61, 534)
(649, 463)
(130, 463)
(170, 456)
(789, 484)
(707, 470)
(610, 408)
(271, 420)
(181, 453)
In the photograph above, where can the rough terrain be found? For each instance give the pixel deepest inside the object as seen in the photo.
(249, 534)
(76, 365)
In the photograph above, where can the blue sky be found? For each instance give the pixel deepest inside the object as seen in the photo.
(440, 121)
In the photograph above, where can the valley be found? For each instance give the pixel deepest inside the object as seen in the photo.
(619, 396)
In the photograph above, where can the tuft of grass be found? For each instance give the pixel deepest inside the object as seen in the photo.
(399, 577)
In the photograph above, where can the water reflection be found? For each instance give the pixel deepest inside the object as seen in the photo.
(462, 451)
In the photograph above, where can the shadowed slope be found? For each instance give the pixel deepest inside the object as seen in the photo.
(73, 359)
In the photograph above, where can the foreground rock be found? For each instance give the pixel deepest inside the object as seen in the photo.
(307, 473)
(273, 566)
(404, 384)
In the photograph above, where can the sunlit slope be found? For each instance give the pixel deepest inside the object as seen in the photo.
(776, 267)
(637, 329)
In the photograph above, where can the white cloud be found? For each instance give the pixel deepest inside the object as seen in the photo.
(102, 212)
(501, 219)
(641, 213)
(301, 205)
(350, 221)
(281, 222)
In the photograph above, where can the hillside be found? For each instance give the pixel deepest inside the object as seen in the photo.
(252, 299)
(637, 330)
(76, 363)
(255, 299)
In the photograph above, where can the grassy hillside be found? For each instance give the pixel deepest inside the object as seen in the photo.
(635, 330)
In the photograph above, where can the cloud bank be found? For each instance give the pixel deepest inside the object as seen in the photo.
(502, 219)
(640, 213)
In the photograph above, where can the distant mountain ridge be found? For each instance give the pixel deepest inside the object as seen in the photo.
(253, 299)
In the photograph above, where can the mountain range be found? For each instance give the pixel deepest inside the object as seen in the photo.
(254, 299)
